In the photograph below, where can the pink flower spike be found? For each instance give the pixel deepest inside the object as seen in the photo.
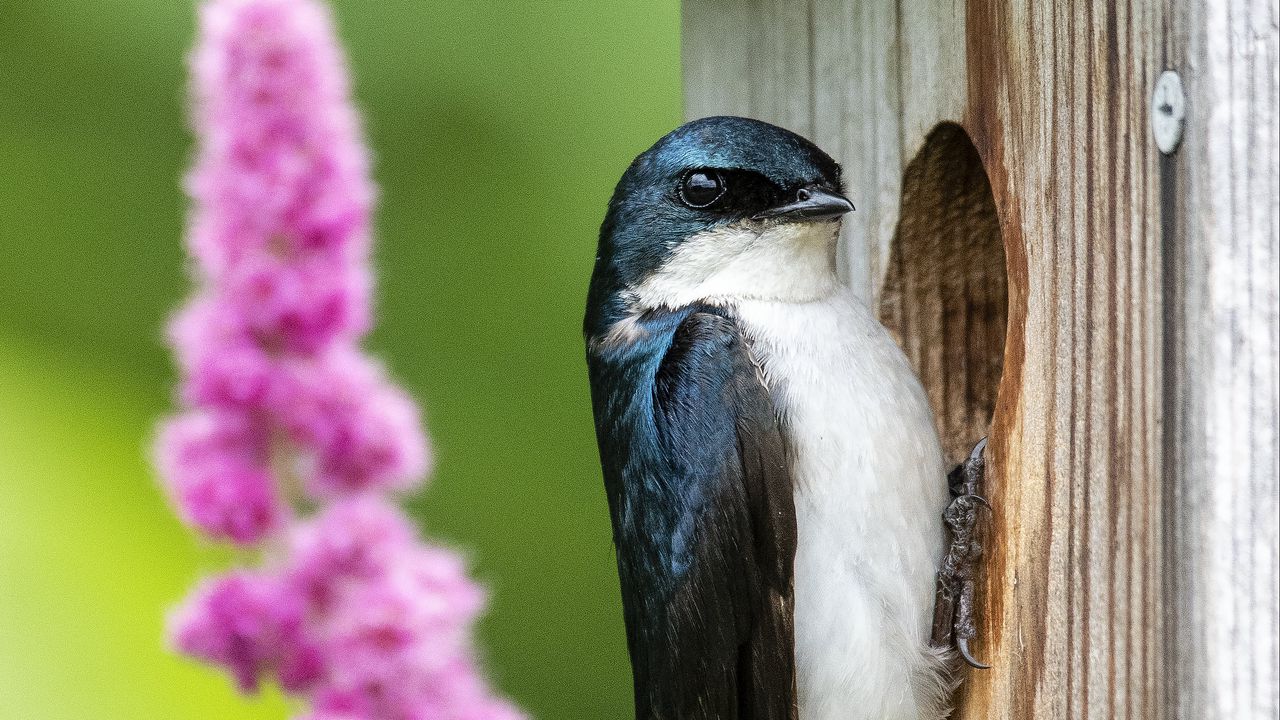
(353, 613)
(282, 167)
(211, 468)
(358, 539)
(357, 431)
(251, 625)
(447, 596)
(301, 306)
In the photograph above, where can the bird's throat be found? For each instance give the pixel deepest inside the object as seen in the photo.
(780, 261)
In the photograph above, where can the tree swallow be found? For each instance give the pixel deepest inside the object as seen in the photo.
(775, 481)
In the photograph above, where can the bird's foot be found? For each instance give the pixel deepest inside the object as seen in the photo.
(953, 621)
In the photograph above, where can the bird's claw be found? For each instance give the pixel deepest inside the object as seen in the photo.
(953, 621)
(962, 644)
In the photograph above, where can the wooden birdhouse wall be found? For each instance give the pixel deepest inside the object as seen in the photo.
(1107, 312)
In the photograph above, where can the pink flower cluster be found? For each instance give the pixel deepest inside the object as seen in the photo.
(282, 410)
(357, 614)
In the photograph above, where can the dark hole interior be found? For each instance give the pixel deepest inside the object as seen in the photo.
(945, 295)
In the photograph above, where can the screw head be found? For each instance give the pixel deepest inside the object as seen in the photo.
(1168, 111)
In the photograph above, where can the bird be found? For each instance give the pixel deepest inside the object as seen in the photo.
(775, 481)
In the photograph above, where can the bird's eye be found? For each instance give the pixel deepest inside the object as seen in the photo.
(701, 188)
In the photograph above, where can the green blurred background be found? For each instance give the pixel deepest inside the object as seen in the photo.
(540, 104)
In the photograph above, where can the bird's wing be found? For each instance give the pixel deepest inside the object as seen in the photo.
(706, 535)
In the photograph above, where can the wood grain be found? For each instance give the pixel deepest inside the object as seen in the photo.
(753, 58)
(856, 119)
(1132, 569)
(1220, 205)
(945, 296)
(1057, 106)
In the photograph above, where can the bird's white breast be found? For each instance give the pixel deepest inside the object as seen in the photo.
(870, 478)
(870, 489)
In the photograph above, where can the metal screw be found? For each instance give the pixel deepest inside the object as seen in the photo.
(1168, 111)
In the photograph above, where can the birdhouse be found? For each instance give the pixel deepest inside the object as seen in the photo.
(1067, 214)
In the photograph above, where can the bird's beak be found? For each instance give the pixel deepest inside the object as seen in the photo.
(811, 203)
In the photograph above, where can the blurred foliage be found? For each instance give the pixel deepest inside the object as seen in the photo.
(499, 131)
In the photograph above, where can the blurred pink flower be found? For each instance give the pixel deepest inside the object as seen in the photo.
(282, 168)
(356, 431)
(253, 625)
(298, 304)
(357, 613)
(350, 609)
(280, 231)
(216, 476)
(351, 541)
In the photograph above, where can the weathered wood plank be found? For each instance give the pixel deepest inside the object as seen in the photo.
(714, 40)
(1057, 105)
(750, 58)
(857, 118)
(781, 62)
(933, 73)
(1221, 482)
(946, 292)
(1132, 567)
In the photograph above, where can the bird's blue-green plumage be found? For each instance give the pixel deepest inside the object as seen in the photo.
(695, 468)
(645, 222)
(691, 442)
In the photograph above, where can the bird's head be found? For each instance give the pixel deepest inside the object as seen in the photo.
(719, 210)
